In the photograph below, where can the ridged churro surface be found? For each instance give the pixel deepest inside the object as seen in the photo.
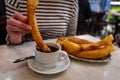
(31, 7)
(85, 49)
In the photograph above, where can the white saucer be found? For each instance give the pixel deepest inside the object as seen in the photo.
(62, 65)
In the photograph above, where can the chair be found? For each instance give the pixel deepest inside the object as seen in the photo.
(96, 23)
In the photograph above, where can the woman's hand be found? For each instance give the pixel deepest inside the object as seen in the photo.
(17, 27)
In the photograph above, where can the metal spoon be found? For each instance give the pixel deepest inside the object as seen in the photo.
(23, 59)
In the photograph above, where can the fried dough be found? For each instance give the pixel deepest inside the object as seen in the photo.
(91, 54)
(85, 49)
(31, 7)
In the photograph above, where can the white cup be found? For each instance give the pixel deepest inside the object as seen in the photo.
(49, 60)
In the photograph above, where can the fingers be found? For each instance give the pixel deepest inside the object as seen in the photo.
(17, 27)
(13, 29)
(18, 24)
(20, 17)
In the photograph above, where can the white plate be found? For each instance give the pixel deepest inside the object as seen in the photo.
(104, 59)
(62, 65)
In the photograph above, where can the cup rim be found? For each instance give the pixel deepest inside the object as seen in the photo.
(47, 44)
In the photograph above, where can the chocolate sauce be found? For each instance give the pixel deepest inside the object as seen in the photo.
(53, 49)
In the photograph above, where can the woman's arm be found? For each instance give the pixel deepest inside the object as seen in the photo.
(17, 25)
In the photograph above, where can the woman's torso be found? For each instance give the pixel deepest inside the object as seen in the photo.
(53, 16)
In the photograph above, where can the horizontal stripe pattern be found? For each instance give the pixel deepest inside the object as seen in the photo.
(55, 18)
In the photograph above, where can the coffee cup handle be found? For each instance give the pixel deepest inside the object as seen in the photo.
(63, 55)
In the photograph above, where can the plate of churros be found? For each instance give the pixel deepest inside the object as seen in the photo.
(85, 50)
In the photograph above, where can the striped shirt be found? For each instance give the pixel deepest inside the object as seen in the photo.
(55, 18)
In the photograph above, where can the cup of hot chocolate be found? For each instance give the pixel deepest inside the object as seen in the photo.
(49, 60)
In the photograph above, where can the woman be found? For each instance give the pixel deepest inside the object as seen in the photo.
(55, 18)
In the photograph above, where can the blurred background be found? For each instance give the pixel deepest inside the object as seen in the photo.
(98, 18)
(2, 23)
(103, 18)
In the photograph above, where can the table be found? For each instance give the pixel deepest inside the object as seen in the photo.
(78, 70)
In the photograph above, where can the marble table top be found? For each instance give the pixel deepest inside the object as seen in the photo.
(78, 70)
